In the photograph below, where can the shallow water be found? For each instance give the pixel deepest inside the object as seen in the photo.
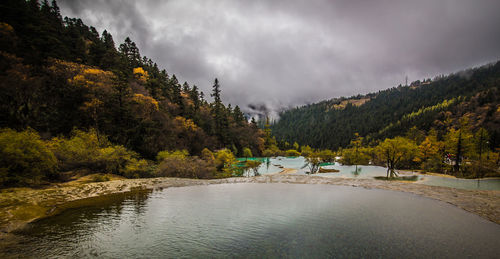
(271, 165)
(368, 172)
(263, 220)
(470, 184)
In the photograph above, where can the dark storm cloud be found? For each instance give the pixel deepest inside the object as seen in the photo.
(288, 53)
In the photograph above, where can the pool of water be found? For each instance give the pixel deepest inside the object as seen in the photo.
(368, 172)
(271, 165)
(470, 184)
(262, 220)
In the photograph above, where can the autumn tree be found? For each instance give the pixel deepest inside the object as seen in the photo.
(313, 162)
(99, 85)
(356, 145)
(394, 151)
(253, 165)
(481, 142)
(430, 153)
(247, 153)
(458, 143)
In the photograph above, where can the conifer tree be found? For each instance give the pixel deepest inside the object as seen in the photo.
(218, 113)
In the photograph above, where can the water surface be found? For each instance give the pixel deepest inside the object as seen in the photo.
(263, 220)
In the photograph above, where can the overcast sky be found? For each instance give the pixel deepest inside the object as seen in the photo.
(288, 53)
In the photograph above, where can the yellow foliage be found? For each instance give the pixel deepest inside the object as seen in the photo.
(207, 155)
(93, 77)
(82, 75)
(24, 157)
(186, 124)
(178, 153)
(225, 157)
(140, 74)
(146, 100)
(87, 150)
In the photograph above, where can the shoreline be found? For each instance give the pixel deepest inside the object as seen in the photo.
(20, 206)
(286, 171)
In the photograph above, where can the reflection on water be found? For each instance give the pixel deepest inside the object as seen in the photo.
(263, 220)
(357, 171)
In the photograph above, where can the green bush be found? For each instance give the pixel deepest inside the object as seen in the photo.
(24, 158)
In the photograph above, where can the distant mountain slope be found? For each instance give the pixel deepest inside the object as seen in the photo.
(436, 104)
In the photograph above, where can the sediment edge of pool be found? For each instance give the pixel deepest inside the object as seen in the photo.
(37, 204)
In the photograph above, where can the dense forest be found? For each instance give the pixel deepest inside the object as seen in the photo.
(437, 104)
(450, 124)
(67, 87)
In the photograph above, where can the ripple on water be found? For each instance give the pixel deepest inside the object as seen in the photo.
(263, 220)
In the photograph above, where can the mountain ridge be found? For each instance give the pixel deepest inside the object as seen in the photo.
(333, 123)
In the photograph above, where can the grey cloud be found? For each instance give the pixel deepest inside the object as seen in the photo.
(287, 53)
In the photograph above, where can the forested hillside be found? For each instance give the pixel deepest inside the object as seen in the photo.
(440, 104)
(61, 78)
(59, 74)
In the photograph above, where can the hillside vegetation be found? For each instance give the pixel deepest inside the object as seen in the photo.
(438, 104)
(61, 79)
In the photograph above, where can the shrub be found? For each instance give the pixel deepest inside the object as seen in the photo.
(327, 155)
(24, 158)
(292, 152)
(137, 168)
(186, 167)
(86, 150)
(225, 163)
(253, 166)
(177, 153)
(82, 150)
(306, 151)
(208, 155)
(267, 153)
(247, 152)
